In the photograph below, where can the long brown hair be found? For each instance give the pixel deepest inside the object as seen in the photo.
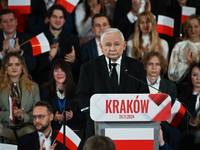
(24, 78)
(88, 9)
(138, 49)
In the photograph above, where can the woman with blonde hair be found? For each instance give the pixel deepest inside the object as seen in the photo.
(18, 92)
(186, 52)
(146, 38)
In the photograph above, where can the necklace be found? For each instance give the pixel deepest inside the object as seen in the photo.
(61, 96)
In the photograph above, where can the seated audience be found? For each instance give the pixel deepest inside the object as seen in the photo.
(91, 49)
(15, 83)
(63, 45)
(11, 39)
(186, 52)
(84, 13)
(60, 93)
(156, 66)
(190, 97)
(99, 143)
(146, 38)
(43, 138)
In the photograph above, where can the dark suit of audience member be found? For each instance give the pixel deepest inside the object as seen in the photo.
(88, 51)
(27, 49)
(36, 20)
(31, 141)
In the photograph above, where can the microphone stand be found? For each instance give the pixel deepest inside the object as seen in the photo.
(64, 122)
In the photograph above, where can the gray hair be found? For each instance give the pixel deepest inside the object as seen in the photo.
(112, 30)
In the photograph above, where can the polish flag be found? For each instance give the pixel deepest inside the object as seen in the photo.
(186, 12)
(165, 25)
(68, 4)
(178, 111)
(23, 6)
(11, 103)
(71, 139)
(40, 44)
(127, 138)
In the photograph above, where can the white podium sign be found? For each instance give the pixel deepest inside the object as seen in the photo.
(130, 107)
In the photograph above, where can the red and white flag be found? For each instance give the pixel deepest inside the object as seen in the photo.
(127, 138)
(178, 111)
(23, 6)
(186, 12)
(11, 103)
(165, 25)
(40, 44)
(68, 4)
(72, 140)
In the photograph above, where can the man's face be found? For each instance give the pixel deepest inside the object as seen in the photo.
(153, 67)
(57, 20)
(42, 118)
(100, 24)
(8, 24)
(112, 46)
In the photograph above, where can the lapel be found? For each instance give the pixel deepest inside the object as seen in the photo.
(123, 76)
(163, 86)
(35, 140)
(103, 69)
(25, 98)
(94, 50)
(5, 100)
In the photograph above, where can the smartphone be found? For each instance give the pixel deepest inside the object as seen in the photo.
(142, 8)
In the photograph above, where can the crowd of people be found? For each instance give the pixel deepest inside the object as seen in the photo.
(89, 50)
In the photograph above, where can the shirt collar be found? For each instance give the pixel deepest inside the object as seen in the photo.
(14, 37)
(156, 83)
(40, 134)
(118, 62)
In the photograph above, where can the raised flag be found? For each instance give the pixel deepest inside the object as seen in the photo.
(11, 103)
(178, 111)
(22, 6)
(186, 12)
(125, 138)
(72, 140)
(40, 44)
(68, 4)
(165, 25)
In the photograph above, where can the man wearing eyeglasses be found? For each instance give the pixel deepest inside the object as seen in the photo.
(44, 136)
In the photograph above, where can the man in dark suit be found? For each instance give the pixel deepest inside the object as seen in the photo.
(156, 66)
(11, 39)
(91, 49)
(63, 45)
(106, 73)
(44, 136)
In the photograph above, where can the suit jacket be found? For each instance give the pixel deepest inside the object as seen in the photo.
(94, 78)
(27, 48)
(28, 102)
(89, 51)
(67, 40)
(31, 142)
(169, 88)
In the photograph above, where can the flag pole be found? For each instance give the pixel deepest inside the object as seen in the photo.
(181, 30)
(53, 142)
(24, 43)
(64, 122)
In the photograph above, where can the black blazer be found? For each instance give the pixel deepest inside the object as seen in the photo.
(94, 78)
(89, 51)
(31, 142)
(27, 48)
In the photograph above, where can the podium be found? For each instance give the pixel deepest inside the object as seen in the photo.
(130, 120)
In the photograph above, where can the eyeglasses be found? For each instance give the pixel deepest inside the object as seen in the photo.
(39, 117)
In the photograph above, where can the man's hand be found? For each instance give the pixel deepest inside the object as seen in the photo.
(69, 115)
(6, 46)
(18, 113)
(136, 6)
(53, 51)
(17, 47)
(71, 56)
(58, 117)
(161, 140)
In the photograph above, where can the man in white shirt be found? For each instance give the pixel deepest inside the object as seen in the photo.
(44, 136)
(91, 49)
(156, 65)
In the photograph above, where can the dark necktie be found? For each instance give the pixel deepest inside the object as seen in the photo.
(114, 77)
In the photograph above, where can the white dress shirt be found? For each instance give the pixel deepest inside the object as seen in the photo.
(155, 85)
(47, 141)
